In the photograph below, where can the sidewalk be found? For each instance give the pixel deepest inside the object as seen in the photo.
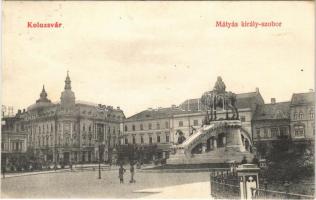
(11, 175)
(199, 190)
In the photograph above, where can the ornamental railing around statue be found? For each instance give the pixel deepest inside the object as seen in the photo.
(224, 184)
(269, 194)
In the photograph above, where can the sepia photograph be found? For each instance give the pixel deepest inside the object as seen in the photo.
(158, 100)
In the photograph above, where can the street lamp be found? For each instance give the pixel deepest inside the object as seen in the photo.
(99, 160)
(100, 145)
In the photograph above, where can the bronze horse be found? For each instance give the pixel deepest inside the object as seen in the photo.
(211, 100)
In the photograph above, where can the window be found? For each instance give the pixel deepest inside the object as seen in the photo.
(265, 131)
(299, 130)
(295, 115)
(257, 133)
(158, 125)
(141, 139)
(283, 131)
(301, 115)
(180, 123)
(125, 128)
(167, 138)
(158, 138)
(141, 127)
(166, 124)
(150, 140)
(133, 127)
(51, 128)
(242, 118)
(274, 132)
(90, 128)
(134, 139)
(84, 128)
(126, 140)
(195, 122)
(149, 126)
(311, 114)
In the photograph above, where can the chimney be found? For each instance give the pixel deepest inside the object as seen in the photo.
(173, 106)
(24, 110)
(118, 108)
(257, 90)
(273, 100)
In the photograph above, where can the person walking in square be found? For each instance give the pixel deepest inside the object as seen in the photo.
(132, 170)
(121, 174)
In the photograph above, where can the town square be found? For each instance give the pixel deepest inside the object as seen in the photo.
(120, 103)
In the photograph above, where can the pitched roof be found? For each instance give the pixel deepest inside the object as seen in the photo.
(303, 98)
(244, 100)
(279, 110)
(157, 113)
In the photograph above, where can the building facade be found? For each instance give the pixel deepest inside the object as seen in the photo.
(302, 117)
(292, 121)
(70, 130)
(162, 127)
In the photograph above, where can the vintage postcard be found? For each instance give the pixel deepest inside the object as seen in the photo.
(158, 99)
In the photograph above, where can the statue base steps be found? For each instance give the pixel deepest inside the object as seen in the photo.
(221, 155)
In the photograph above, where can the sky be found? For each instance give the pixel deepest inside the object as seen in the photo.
(138, 55)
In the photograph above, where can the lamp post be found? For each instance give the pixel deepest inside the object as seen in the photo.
(99, 160)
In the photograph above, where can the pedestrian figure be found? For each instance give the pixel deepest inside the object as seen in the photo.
(3, 171)
(55, 166)
(132, 169)
(121, 174)
(70, 164)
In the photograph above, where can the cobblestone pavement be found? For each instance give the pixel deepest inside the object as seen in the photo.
(85, 184)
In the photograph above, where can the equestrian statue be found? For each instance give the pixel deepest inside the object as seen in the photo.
(219, 98)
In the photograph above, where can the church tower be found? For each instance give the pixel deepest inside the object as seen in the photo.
(67, 98)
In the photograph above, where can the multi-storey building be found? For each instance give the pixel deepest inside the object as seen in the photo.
(161, 127)
(271, 123)
(302, 116)
(13, 138)
(293, 120)
(70, 129)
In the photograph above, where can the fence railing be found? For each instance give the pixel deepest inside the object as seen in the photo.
(224, 184)
(269, 194)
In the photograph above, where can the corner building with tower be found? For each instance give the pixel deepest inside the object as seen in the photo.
(69, 130)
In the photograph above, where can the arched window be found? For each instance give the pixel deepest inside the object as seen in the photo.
(295, 115)
(126, 128)
(301, 115)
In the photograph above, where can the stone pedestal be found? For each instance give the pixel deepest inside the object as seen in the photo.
(233, 141)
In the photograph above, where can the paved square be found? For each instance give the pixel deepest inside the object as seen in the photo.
(85, 184)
